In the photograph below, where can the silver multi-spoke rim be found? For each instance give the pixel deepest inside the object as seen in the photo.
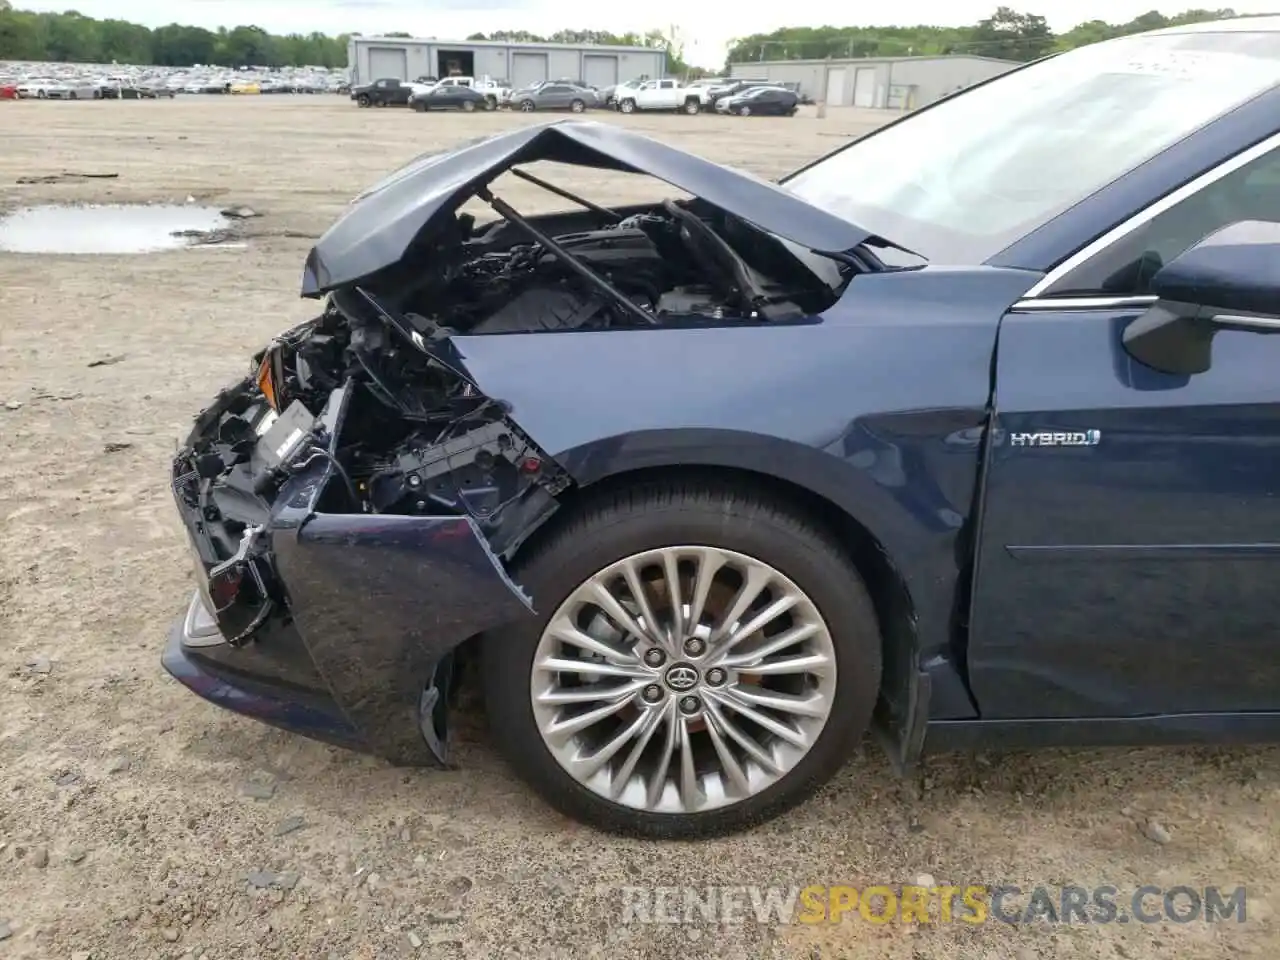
(683, 679)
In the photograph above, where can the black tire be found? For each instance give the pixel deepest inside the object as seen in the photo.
(527, 106)
(491, 103)
(744, 111)
(419, 106)
(577, 106)
(662, 513)
(692, 107)
(363, 100)
(468, 106)
(627, 106)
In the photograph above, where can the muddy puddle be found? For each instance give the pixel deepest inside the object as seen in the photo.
(106, 229)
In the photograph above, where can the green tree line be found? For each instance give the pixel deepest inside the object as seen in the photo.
(1007, 34)
(75, 38)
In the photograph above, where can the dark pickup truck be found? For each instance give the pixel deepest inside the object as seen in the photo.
(383, 93)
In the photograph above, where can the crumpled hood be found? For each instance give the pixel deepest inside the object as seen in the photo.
(382, 223)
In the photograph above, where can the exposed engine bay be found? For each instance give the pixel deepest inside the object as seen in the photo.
(604, 268)
(373, 386)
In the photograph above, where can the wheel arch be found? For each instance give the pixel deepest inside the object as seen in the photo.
(788, 472)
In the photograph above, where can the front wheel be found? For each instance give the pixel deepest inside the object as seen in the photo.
(691, 107)
(744, 111)
(362, 100)
(419, 106)
(468, 106)
(627, 106)
(705, 657)
(526, 106)
(491, 103)
(577, 106)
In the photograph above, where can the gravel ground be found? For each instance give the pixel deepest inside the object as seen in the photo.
(138, 821)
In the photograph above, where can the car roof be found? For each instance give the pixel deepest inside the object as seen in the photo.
(1264, 24)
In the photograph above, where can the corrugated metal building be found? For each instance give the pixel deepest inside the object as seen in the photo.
(898, 83)
(373, 58)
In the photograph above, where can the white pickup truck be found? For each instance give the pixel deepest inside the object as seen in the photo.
(665, 94)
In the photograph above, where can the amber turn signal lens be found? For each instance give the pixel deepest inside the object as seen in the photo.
(266, 383)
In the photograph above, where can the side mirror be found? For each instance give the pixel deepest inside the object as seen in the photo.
(1230, 280)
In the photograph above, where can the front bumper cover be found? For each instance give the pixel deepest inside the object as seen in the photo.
(374, 607)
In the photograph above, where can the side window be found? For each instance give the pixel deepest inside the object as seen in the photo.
(668, 84)
(1127, 266)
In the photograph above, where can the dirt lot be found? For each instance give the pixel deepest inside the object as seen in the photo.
(127, 824)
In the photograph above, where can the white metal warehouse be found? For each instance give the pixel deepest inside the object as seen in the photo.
(895, 83)
(373, 58)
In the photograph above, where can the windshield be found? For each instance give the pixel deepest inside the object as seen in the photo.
(959, 182)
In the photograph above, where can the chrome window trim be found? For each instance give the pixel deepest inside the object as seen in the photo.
(1258, 322)
(1031, 304)
(1152, 211)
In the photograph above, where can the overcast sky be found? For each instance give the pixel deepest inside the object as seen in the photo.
(706, 28)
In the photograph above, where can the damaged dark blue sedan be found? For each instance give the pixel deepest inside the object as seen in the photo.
(966, 432)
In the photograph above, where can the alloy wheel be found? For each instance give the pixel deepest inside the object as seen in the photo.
(683, 679)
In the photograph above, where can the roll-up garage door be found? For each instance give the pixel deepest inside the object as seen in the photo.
(599, 70)
(864, 87)
(388, 62)
(527, 68)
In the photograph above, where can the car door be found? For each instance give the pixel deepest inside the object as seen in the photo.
(553, 96)
(770, 101)
(1129, 559)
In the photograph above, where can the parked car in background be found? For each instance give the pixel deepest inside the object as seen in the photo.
(497, 92)
(155, 92)
(703, 87)
(35, 88)
(761, 101)
(732, 89)
(383, 93)
(665, 94)
(447, 97)
(71, 90)
(555, 96)
(609, 95)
